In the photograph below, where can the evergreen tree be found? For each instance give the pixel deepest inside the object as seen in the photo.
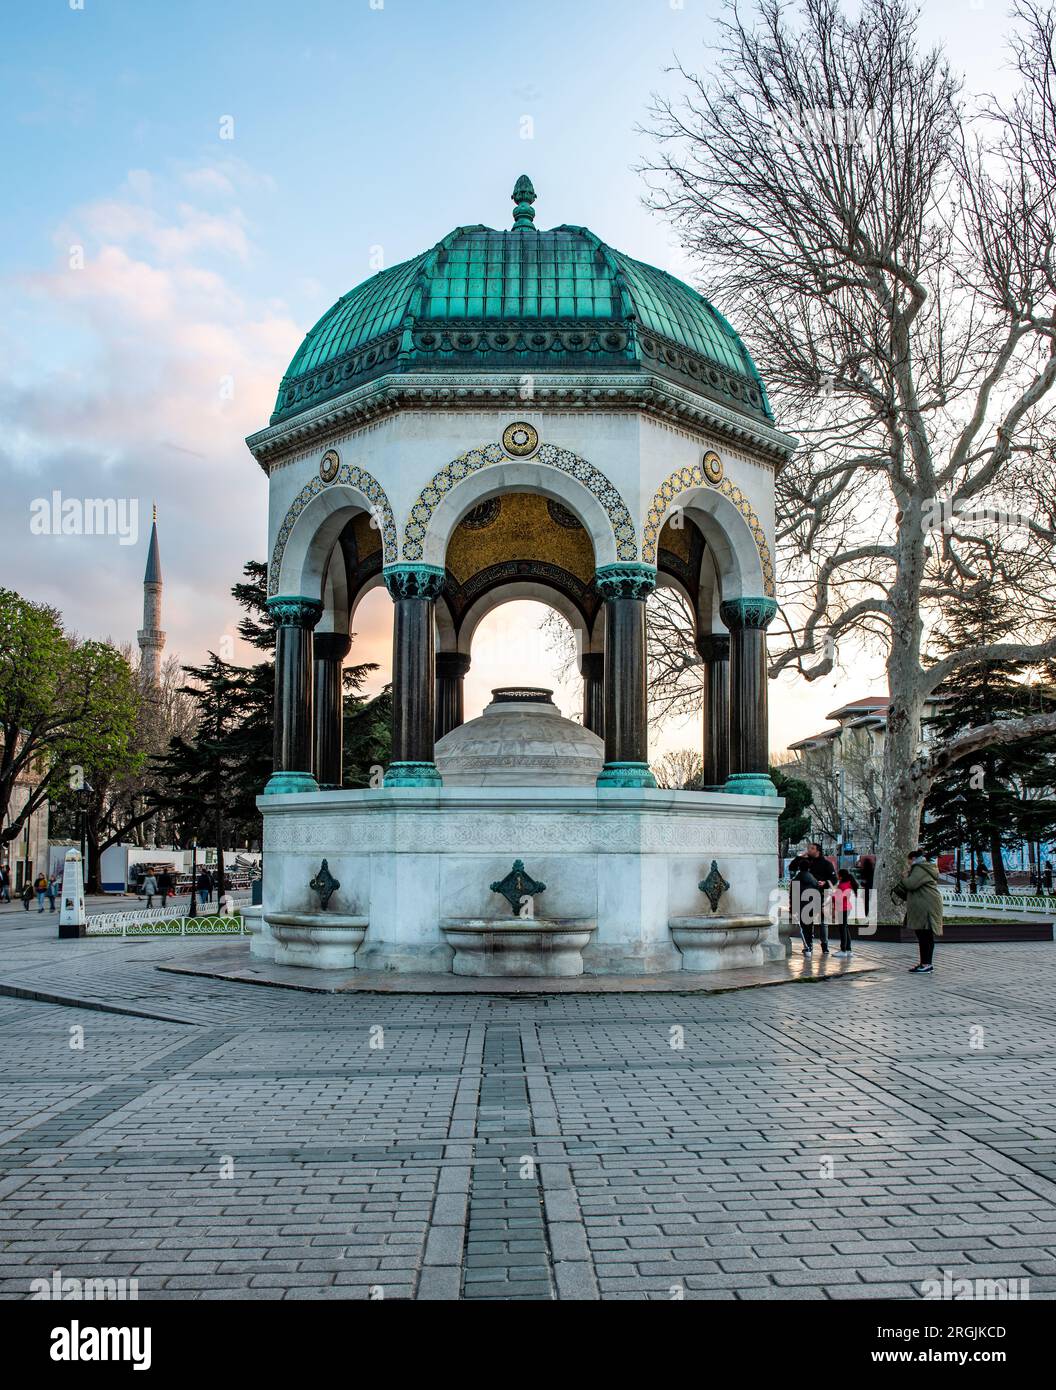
(793, 822)
(980, 802)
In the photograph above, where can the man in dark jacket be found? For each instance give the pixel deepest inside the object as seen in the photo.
(811, 873)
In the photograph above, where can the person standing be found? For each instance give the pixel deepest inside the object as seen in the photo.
(54, 889)
(919, 890)
(27, 893)
(164, 886)
(844, 902)
(40, 887)
(205, 887)
(5, 884)
(150, 888)
(811, 873)
(866, 873)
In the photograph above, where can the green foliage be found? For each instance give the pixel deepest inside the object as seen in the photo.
(68, 709)
(793, 823)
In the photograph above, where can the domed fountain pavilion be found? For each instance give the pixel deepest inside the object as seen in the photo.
(519, 414)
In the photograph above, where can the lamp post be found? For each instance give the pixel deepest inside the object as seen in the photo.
(192, 911)
(83, 793)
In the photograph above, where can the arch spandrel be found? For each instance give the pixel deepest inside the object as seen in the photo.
(731, 527)
(314, 522)
(488, 471)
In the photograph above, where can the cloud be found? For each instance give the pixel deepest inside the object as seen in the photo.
(135, 370)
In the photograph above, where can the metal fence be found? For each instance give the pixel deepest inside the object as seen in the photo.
(169, 921)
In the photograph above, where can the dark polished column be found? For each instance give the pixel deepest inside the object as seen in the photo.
(594, 692)
(294, 620)
(715, 649)
(747, 620)
(451, 669)
(414, 590)
(625, 589)
(330, 649)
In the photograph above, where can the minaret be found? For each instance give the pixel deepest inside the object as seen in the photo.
(151, 637)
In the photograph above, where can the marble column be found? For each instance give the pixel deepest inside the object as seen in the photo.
(414, 590)
(624, 588)
(451, 669)
(593, 668)
(747, 620)
(330, 650)
(714, 648)
(295, 619)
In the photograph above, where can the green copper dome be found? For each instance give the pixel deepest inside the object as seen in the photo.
(523, 300)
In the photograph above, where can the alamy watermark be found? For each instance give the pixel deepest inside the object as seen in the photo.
(85, 516)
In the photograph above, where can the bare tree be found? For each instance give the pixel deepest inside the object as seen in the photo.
(679, 770)
(888, 245)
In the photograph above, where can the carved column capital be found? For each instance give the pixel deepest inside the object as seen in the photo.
(713, 646)
(748, 612)
(625, 581)
(413, 581)
(294, 611)
(452, 665)
(332, 646)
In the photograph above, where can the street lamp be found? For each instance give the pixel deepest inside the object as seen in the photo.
(83, 793)
(192, 911)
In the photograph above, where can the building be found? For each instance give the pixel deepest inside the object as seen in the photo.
(842, 766)
(510, 414)
(26, 855)
(150, 636)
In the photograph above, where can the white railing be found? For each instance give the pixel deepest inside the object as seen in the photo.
(169, 921)
(992, 902)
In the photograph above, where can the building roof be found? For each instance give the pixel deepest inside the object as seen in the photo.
(152, 574)
(523, 299)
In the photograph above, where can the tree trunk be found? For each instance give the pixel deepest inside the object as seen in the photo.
(998, 863)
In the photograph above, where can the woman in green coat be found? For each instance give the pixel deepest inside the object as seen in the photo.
(919, 890)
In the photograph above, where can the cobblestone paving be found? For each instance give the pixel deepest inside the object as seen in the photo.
(844, 1140)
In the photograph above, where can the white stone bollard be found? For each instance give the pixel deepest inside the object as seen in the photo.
(72, 914)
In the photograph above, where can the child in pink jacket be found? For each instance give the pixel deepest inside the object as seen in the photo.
(844, 902)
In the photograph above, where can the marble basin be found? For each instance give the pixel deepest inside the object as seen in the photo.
(721, 943)
(321, 940)
(536, 947)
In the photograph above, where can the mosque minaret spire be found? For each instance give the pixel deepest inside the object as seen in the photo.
(151, 638)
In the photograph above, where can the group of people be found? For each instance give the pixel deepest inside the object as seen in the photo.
(163, 885)
(43, 886)
(822, 893)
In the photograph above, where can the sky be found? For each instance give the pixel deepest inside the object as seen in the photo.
(190, 186)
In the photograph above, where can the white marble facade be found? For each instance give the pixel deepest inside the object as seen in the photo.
(630, 860)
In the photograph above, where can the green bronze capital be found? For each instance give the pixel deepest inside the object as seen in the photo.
(713, 646)
(748, 612)
(294, 611)
(413, 581)
(625, 581)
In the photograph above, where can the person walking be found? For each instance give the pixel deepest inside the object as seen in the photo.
(811, 873)
(54, 889)
(205, 887)
(40, 887)
(164, 886)
(919, 890)
(150, 887)
(844, 904)
(27, 893)
(5, 884)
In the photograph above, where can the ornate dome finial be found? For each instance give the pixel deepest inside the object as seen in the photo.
(524, 196)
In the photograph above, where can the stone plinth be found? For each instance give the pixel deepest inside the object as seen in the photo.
(722, 943)
(627, 859)
(507, 947)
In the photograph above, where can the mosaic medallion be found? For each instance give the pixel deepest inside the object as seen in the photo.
(713, 467)
(520, 440)
(483, 515)
(328, 465)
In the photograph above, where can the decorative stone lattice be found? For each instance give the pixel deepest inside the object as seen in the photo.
(352, 476)
(690, 477)
(441, 483)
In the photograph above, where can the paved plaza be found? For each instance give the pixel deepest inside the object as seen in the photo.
(842, 1140)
